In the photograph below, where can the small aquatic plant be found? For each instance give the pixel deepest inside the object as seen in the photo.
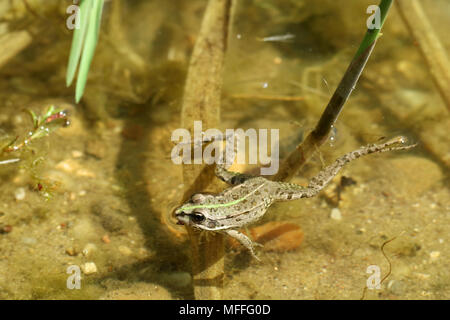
(43, 125)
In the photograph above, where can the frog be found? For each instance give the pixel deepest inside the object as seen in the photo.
(248, 197)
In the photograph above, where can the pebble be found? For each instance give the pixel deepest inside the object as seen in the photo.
(19, 194)
(125, 250)
(77, 154)
(71, 251)
(85, 173)
(423, 276)
(28, 240)
(6, 229)
(89, 268)
(68, 165)
(106, 239)
(84, 230)
(72, 166)
(434, 255)
(397, 287)
(336, 214)
(89, 249)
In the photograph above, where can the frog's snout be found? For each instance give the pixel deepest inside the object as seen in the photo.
(182, 218)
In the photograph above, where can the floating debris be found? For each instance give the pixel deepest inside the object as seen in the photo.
(288, 37)
(9, 161)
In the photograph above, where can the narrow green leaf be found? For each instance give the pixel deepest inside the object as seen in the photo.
(89, 47)
(78, 40)
(50, 111)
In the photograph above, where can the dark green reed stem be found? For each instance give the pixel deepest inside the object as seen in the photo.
(319, 135)
(372, 34)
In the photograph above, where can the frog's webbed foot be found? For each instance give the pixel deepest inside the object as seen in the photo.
(245, 241)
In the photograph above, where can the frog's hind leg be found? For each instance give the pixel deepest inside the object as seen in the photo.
(290, 191)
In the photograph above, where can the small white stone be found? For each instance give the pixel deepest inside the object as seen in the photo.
(82, 172)
(77, 154)
(423, 276)
(89, 268)
(19, 194)
(125, 250)
(434, 255)
(89, 249)
(67, 165)
(336, 214)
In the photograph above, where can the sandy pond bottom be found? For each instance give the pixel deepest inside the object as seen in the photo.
(104, 217)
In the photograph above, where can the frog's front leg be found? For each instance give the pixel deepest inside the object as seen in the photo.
(244, 240)
(226, 160)
(231, 177)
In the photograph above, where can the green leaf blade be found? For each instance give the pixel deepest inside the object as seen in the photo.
(91, 40)
(79, 36)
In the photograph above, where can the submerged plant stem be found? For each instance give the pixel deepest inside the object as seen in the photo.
(430, 46)
(201, 102)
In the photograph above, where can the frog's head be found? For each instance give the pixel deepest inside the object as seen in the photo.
(197, 212)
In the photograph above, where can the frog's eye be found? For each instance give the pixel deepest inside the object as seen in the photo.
(197, 217)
